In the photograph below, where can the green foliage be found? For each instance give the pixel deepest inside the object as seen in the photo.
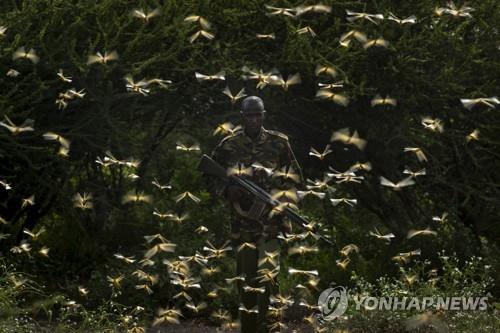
(428, 67)
(471, 278)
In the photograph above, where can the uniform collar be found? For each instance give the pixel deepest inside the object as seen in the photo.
(260, 138)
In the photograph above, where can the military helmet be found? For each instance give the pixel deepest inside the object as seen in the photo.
(252, 104)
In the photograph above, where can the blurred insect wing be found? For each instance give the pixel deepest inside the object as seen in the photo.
(240, 94)
(294, 79)
(153, 13)
(227, 92)
(468, 103)
(192, 18)
(324, 93)
(31, 55)
(194, 36)
(268, 36)
(341, 135)
(474, 135)
(376, 42)
(314, 152)
(406, 182)
(325, 70)
(193, 197)
(340, 99)
(204, 23)
(207, 34)
(201, 77)
(357, 141)
(376, 100)
(92, 59)
(412, 19)
(139, 13)
(385, 182)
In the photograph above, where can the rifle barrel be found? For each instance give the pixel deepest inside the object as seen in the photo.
(209, 166)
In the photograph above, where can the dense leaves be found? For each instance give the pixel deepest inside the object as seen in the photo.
(428, 67)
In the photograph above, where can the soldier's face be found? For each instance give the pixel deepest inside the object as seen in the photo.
(253, 121)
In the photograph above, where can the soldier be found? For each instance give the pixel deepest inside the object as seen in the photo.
(256, 153)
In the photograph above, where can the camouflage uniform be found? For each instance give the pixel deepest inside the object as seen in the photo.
(272, 150)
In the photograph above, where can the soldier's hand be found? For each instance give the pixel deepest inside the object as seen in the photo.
(234, 193)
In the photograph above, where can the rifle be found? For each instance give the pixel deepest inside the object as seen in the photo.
(262, 199)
